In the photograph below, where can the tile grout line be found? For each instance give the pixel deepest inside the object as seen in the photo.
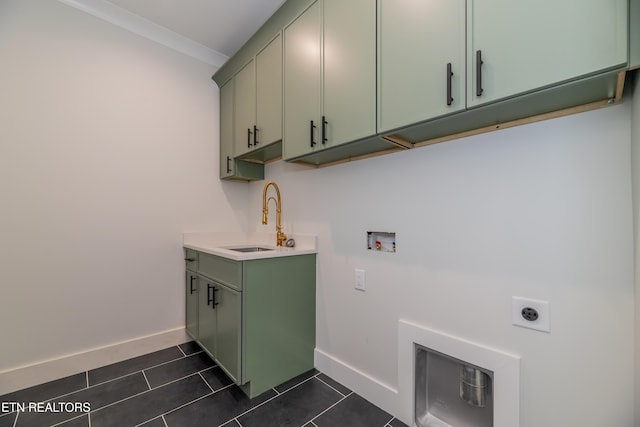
(333, 388)
(330, 407)
(146, 379)
(146, 367)
(236, 419)
(199, 373)
(143, 374)
(300, 383)
(181, 351)
(389, 422)
(205, 381)
(257, 406)
(199, 398)
(143, 392)
(66, 394)
(70, 419)
(163, 420)
(270, 399)
(190, 402)
(91, 386)
(149, 420)
(123, 376)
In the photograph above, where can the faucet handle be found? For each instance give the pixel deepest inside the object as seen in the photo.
(280, 238)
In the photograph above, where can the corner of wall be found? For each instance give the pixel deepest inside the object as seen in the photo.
(635, 170)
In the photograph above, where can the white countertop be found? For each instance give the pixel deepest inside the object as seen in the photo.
(219, 243)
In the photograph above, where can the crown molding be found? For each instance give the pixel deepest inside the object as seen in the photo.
(143, 27)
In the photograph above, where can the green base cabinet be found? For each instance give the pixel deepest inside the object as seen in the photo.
(219, 324)
(191, 292)
(279, 320)
(256, 318)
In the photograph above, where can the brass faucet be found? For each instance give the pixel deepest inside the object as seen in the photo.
(280, 236)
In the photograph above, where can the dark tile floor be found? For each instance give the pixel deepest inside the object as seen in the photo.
(181, 386)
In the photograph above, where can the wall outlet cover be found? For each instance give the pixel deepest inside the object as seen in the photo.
(530, 313)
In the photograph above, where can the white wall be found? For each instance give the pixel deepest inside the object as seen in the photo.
(635, 167)
(108, 153)
(540, 211)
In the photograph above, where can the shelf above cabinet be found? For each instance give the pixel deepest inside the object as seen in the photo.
(594, 92)
(351, 151)
(264, 154)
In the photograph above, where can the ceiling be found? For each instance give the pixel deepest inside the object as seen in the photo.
(210, 30)
(221, 25)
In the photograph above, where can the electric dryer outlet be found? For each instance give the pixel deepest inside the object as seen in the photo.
(530, 313)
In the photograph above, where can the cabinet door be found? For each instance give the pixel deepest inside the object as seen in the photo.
(302, 84)
(226, 130)
(527, 45)
(191, 288)
(349, 70)
(228, 312)
(206, 316)
(417, 41)
(269, 93)
(245, 108)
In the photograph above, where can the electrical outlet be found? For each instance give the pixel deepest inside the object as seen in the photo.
(360, 283)
(530, 313)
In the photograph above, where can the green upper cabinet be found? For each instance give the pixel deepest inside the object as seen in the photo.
(422, 62)
(329, 76)
(514, 47)
(349, 70)
(230, 167)
(258, 100)
(302, 82)
(226, 130)
(269, 93)
(363, 77)
(245, 108)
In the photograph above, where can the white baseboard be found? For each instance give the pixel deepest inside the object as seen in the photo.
(61, 367)
(375, 391)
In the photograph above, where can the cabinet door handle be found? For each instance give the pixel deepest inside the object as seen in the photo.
(215, 302)
(249, 138)
(479, 63)
(449, 78)
(191, 290)
(324, 130)
(210, 294)
(189, 259)
(228, 167)
(255, 135)
(311, 128)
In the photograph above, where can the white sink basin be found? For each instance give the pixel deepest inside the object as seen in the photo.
(250, 249)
